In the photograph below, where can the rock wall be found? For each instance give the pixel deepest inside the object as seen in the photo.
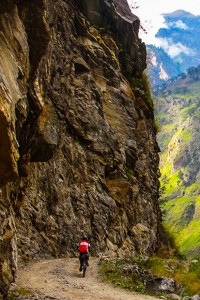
(78, 147)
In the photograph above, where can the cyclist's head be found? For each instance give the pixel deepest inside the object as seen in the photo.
(84, 237)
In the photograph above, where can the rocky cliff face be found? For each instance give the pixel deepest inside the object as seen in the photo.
(78, 147)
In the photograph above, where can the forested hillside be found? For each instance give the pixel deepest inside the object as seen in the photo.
(178, 113)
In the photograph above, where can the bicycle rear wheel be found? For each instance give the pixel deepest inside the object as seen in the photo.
(84, 268)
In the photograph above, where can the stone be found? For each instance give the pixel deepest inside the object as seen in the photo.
(195, 297)
(162, 284)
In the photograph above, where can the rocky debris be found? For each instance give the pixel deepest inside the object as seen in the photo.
(79, 151)
(147, 281)
(162, 284)
(152, 283)
(8, 249)
(195, 297)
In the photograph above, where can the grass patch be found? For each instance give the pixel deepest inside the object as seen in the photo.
(193, 189)
(182, 216)
(167, 167)
(122, 273)
(129, 173)
(188, 111)
(170, 183)
(186, 135)
(189, 238)
(19, 292)
(176, 216)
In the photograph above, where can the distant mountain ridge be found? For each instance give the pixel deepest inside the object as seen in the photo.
(179, 47)
(180, 13)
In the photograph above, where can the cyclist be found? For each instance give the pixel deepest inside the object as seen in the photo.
(83, 247)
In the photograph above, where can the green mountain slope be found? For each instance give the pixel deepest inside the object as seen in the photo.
(178, 113)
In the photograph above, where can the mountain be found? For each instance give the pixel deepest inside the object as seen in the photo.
(174, 74)
(160, 67)
(78, 137)
(179, 39)
(178, 113)
(177, 15)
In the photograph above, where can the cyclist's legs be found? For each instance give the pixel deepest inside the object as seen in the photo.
(83, 256)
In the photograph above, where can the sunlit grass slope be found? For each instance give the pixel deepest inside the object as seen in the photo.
(178, 113)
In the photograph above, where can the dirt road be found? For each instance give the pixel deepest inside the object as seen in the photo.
(60, 279)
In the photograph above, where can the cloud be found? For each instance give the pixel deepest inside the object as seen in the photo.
(177, 24)
(173, 49)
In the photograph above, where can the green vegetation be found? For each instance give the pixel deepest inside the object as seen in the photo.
(120, 272)
(142, 86)
(157, 126)
(189, 238)
(193, 189)
(19, 292)
(175, 213)
(188, 110)
(172, 182)
(178, 112)
(183, 272)
(129, 273)
(129, 173)
(147, 91)
(182, 216)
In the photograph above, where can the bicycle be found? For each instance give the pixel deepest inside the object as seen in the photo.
(84, 263)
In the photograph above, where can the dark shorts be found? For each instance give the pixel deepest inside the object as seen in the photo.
(83, 256)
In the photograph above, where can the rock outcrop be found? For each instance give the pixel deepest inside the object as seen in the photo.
(78, 141)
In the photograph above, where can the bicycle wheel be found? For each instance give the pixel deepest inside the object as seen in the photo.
(84, 268)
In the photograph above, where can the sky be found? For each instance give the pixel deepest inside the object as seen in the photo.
(150, 13)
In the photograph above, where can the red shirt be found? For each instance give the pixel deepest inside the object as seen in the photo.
(84, 246)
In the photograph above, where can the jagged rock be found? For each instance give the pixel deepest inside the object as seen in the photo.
(152, 282)
(116, 17)
(8, 249)
(195, 297)
(79, 143)
(162, 284)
